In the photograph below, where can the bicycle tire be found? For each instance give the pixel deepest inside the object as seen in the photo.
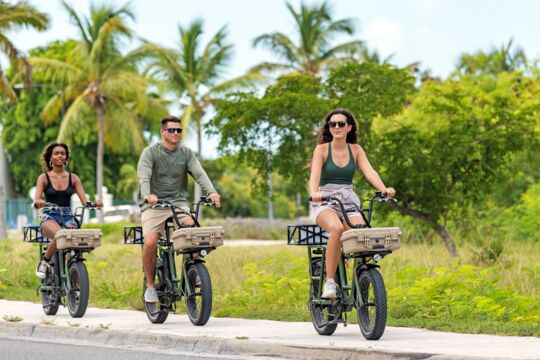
(79, 289)
(49, 300)
(157, 313)
(199, 304)
(321, 315)
(371, 304)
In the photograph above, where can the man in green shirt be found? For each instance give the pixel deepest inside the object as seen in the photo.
(162, 172)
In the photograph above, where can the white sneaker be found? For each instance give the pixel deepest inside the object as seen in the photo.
(150, 295)
(330, 290)
(41, 271)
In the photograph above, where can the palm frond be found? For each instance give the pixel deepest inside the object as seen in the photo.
(56, 71)
(20, 15)
(345, 48)
(281, 44)
(6, 89)
(74, 117)
(249, 80)
(77, 21)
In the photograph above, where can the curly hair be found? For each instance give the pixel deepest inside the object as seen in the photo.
(324, 133)
(47, 154)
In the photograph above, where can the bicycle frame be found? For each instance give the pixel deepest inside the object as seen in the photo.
(316, 244)
(62, 258)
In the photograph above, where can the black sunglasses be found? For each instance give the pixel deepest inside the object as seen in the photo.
(333, 124)
(173, 130)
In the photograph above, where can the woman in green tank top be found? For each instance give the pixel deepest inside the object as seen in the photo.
(335, 160)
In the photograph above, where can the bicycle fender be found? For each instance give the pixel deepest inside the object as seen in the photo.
(364, 267)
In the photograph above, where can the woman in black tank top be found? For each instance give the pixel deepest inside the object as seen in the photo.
(334, 162)
(58, 186)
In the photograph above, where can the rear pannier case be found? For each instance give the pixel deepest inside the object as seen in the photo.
(371, 240)
(78, 238)
(197, 237)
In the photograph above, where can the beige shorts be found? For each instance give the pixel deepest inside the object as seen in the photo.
(345, 193)
(153, 220)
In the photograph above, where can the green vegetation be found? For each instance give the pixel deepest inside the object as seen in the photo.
(425, 287)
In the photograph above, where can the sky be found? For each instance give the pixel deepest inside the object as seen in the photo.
(433, 32)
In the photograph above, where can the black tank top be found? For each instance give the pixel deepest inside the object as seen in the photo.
(60, 198)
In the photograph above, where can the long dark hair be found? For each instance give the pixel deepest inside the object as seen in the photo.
(324, 133)
(47, 154)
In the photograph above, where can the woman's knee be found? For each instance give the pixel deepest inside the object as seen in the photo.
(335, 229)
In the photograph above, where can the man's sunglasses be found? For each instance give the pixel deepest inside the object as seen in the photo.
(173, 130)
(334, 124)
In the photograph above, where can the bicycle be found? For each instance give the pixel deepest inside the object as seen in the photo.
(367, 292)
(66, 276)
(194, 283)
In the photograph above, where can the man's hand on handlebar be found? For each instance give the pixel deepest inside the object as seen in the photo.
(216, 199)
(151, 199)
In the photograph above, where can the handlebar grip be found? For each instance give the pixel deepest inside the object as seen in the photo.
(323, 198)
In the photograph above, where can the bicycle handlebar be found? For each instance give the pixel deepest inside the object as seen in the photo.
(204, 201)
(380, 195)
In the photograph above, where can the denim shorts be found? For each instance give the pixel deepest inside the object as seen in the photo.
(64, 213)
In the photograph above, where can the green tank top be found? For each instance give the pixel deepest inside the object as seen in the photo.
(333, 174)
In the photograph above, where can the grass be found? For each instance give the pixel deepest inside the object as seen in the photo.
(271, 282)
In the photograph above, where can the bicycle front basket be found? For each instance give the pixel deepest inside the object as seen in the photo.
(197, 237)
(371, 239)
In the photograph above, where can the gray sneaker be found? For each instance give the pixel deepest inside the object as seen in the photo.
(41, 271)
(150, 295)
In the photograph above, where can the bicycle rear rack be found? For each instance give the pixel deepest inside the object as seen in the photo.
(306, 234)
(32, 234)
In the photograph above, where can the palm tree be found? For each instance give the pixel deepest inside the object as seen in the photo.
(194, 71)
(507, 58)
(100, 84)
(313, 51)
(13, 17)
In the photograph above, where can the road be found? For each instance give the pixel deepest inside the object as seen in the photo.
(13, 348)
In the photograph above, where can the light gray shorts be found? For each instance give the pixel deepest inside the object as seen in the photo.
(345, 193)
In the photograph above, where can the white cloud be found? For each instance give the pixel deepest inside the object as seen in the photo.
(385, 35)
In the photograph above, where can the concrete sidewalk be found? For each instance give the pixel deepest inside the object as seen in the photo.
(257, 337)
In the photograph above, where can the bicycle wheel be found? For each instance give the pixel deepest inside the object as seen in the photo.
(157, 313)
(78, 292)
(49, 298)
(199, 304)
(321, 315)
(371, 302)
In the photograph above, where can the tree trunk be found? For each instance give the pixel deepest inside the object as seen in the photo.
(438, 228)
(3, 232)
(100, 111)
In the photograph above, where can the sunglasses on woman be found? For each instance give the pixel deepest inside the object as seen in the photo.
(340, 124)
(174, 130)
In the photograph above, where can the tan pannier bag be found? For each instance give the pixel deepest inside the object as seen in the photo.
(371, 239)
(197, 237)
(78, 238)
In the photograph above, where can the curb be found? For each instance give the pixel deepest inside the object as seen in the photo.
(201, 344)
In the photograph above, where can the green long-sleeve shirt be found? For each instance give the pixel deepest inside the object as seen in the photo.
(164, 173)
